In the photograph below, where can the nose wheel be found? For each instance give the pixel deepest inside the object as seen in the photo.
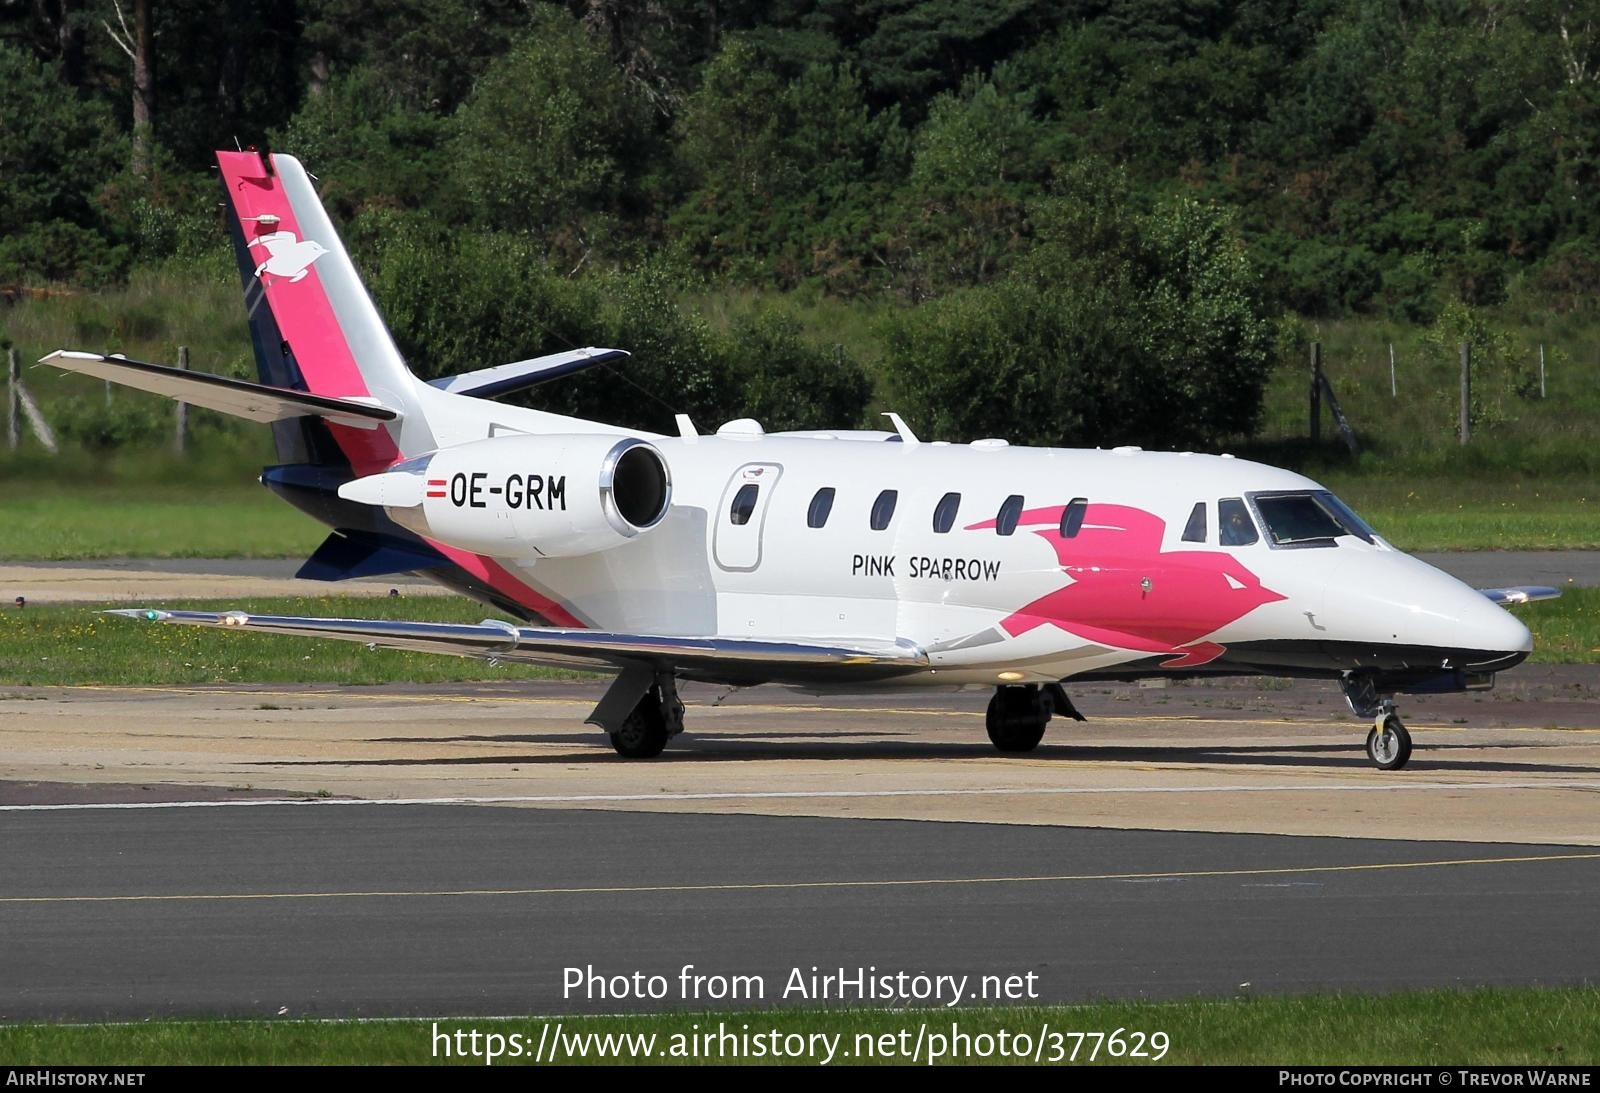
(1389, 742)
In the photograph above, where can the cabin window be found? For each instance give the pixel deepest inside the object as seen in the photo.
(1072, 517)
(1314, 518)
(883, 509)
(1005, 522)
(821, 506)
(944, 514)
(1234, 526)
(1195, 530)
(744, 504)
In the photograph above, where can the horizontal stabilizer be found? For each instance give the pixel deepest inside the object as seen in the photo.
(505, 378)
(241, 398)
(1521, 594)
(709, 657)
(346, 555)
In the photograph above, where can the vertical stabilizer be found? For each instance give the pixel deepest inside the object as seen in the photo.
(312, 322)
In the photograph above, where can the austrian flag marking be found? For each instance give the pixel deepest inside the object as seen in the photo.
(436, 487)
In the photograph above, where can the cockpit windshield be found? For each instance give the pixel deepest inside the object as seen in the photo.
(1309, 518)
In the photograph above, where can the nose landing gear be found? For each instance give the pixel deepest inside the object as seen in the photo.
(1389, 742)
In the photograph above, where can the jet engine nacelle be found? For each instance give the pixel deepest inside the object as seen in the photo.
(527, 496)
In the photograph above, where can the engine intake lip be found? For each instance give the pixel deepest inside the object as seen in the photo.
(635, 487)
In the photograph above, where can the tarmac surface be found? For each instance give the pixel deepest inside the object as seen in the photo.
(319, 910)
(384, 851)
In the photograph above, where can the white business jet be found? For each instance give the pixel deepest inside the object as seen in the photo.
(823, 560)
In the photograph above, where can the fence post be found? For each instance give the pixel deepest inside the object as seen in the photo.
(1394, 391)
(1541, 369)
(181, 413)
(13, 400)
(1316, 393)
(1466, 392)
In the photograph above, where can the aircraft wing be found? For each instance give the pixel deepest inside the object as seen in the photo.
(733, 659)
(241, 398)
(1521, 594)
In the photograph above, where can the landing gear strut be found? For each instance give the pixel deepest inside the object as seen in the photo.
(1389, 742)
(1017, 715)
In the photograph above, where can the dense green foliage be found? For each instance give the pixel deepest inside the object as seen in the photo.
(1121, 325)
(1087, 211)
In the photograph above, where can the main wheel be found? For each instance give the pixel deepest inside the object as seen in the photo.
(1391, 748)
(1016, 718)
(644, 734)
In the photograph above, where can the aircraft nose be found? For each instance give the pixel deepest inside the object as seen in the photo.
(1404, 601)
(1486, 625)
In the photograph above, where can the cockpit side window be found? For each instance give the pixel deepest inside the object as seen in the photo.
(1314, 518)
(1346, 516)
(1195, 530)
(1234, 526)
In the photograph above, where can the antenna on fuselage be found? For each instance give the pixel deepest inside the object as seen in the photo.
(902, 428)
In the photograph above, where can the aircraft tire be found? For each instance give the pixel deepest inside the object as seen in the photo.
(644, 734)
(1390, 749)
(1016, 719)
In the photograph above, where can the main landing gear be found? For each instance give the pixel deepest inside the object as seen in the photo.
(1389, 742)
(1018, 714)
(640, 712)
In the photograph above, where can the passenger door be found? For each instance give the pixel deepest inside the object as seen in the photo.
(741, 515)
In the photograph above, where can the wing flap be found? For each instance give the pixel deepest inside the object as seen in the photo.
(240, 398)
(712, 657)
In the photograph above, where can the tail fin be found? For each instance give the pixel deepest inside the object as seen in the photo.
(313, 325)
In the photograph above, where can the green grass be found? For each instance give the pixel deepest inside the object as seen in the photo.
(1415, 431)
(1484, 1027)
(76, 520)
(1567, 630)
(75, 644)
(1497, 513)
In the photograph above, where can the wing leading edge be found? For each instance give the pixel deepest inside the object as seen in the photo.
(723, 659)
(1521, 594)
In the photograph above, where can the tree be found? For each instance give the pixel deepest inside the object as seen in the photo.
(1124, 324)
(784, 176)
(551, 137)
(462, 300)
(139, 44)
(975, 164)
(53, 146)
